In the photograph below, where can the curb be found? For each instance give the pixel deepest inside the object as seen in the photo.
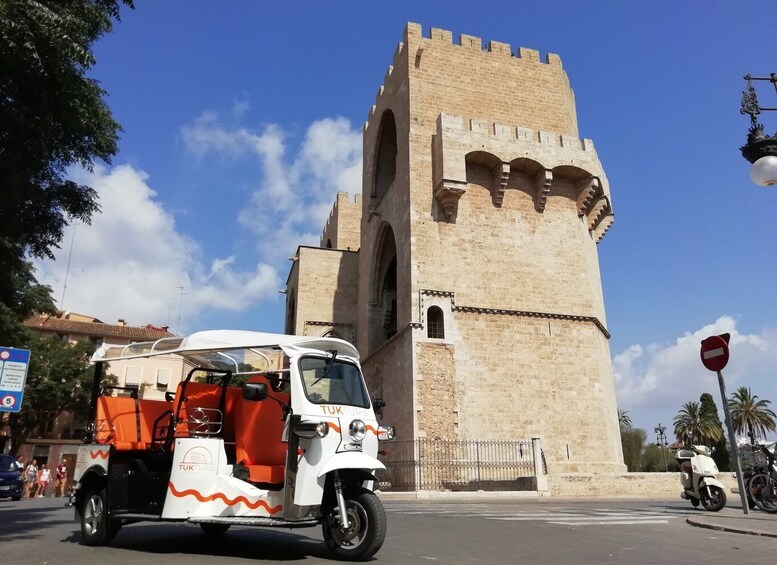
(729, 529)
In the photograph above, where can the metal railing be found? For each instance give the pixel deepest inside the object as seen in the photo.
(430, 464)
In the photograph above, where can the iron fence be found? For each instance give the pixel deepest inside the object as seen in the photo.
(429, 464)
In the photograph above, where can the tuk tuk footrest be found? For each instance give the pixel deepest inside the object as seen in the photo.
(251, 521)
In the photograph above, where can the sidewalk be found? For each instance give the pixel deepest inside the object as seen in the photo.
(731, 519)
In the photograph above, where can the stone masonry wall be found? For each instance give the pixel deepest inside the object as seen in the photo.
(343, 226)
(326, 292)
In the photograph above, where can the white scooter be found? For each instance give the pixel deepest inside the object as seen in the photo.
(697, 476)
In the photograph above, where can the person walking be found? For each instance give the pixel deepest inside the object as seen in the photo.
(30, 478)
(59, 486)
(43, 480)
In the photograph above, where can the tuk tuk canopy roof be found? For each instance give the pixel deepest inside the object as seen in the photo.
(226, 349)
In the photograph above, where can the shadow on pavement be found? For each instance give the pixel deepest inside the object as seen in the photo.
(248, 543)
(29, 520)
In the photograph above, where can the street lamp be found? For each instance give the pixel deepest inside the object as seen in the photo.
(661, 439)
(760, 149)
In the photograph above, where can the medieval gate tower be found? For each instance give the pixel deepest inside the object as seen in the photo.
(467, 271)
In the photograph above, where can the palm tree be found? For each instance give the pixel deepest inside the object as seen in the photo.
(693, 426)
(624, 420)
(750, 414)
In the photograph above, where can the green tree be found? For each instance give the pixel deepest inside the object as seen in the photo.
(59, 378)
(52, 117)
(694, 427)
(624, 420)
(633, 443)
(749, 414)
(658, 459)
(720, 452)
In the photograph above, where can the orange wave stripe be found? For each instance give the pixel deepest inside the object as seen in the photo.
(373, 430)
(334, 427)
(100, 454)
(223, 498)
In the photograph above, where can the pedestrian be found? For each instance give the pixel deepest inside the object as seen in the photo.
(30, 478)
(59, 487)
(20, 463)
(43, 480)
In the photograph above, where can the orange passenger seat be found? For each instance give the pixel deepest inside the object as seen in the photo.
(259, 436)
(127, 423)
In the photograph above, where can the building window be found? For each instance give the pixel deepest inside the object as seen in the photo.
(132, 380)
(163, 378)
(97, 342)
(435, 323)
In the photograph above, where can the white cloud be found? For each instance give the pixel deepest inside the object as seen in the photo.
(654, 381)
(292, 200)
(129, 261)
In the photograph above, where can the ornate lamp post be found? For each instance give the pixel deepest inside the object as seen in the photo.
(661, 439)
(760, 149)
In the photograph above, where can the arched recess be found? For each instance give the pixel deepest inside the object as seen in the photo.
(329, 244)
(487, 170)
(435, 323)
(583, 187)
(385, 169)
(382, 321)
(535, 179)
(332, 333)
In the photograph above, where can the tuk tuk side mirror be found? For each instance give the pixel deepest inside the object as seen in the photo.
(255, 391)
(377, 405)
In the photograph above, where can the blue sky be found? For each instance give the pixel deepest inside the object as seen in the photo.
(243, 119)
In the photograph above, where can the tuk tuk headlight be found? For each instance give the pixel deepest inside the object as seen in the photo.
(310, 430)
(358, 430)
(386, 433)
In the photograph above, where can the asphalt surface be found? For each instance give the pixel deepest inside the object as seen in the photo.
(451, 531)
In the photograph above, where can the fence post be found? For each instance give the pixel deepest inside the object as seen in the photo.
(540, 479)
(477, 457)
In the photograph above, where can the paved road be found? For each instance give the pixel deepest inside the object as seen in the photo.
(451, 532)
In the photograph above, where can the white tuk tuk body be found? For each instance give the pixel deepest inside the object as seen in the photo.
(296, 446)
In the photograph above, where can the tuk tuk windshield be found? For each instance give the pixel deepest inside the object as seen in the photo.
(337, 382)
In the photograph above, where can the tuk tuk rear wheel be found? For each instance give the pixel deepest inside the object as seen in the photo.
(96, 526)
(366, 529)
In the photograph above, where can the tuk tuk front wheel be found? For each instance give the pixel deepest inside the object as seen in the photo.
(366, 527)
(96, 527)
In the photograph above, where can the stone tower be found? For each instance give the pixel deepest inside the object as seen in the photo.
(478, 310)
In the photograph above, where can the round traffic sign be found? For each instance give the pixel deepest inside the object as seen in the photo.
(714, 353)
(8, 401)
(4, 355)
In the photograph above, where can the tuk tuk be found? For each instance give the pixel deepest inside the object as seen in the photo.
(295, 446)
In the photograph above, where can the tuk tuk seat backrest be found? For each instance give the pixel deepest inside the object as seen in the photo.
(259, 436)
(207, 395)
(130, 422)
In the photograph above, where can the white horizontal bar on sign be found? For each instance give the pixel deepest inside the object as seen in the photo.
(713, 353)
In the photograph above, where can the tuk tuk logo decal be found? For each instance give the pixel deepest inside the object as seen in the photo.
(100, 454)
(197, 460)
(228, 501)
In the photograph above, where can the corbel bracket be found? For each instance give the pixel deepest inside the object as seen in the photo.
(499, 183)
(447, 193)
(542, 183)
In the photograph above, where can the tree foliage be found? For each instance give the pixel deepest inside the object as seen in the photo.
(624, 420)
(52, 117)
(59, 378)
(633, 443)
(720, 452)
(749, 414)
(694, 426)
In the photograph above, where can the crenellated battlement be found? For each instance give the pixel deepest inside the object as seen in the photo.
(414, 35)
(517, 133)
(342, 225)
(413, 30)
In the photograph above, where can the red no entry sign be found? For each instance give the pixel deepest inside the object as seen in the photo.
(714, 353)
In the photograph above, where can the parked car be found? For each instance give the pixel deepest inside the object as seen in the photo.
(10, 478)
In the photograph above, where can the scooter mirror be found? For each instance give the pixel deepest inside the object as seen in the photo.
(255, 391)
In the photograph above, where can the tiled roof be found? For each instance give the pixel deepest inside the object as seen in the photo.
(58, 325)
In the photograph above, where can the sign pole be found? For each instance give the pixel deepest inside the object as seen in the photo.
(733, 441)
